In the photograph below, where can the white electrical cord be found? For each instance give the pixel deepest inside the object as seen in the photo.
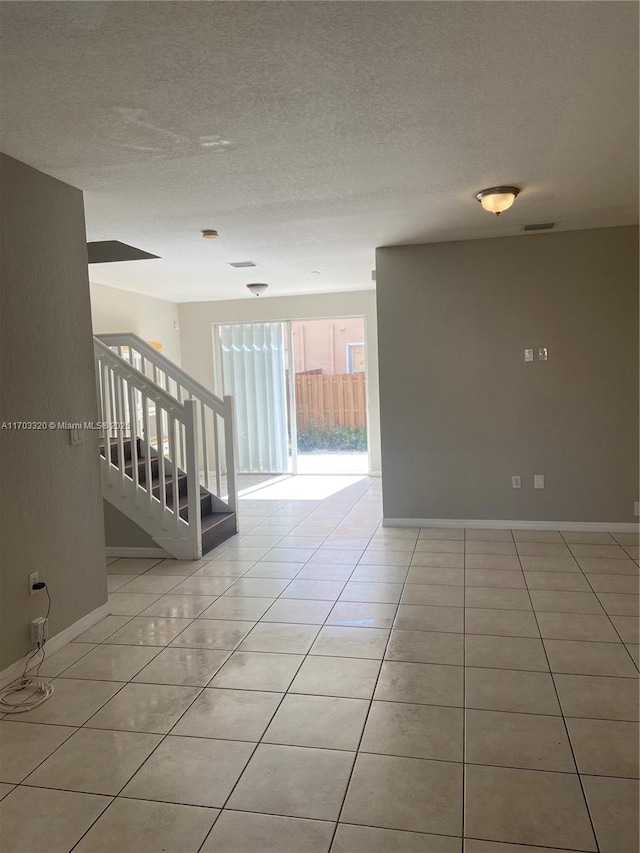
(40, 692)
(38, 689)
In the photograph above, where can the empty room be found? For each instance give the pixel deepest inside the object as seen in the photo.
(319, 464)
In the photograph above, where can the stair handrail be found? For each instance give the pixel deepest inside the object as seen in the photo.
(126, 339)
(207, 449)
(180, 537)
(137, 378)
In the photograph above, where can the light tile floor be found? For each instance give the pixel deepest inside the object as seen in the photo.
(320, 683)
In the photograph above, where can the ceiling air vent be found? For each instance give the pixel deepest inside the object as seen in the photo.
(240, 265)
(539, 226)
(110, 251)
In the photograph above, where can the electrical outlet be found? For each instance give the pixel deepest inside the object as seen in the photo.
(538, 481)
(33, 578)
(543, 354)
(516, 482)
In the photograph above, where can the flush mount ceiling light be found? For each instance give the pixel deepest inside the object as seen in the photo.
(257, 288)
(497, 199)
(209, 234)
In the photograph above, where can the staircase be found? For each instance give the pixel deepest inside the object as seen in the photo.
(167, 447)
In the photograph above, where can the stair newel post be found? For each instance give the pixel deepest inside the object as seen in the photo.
(146, 452)
(101, 380)
(98, 369)
(172, 421)
(193, 479)
(120, 416)
(230, 453)
(133, 438)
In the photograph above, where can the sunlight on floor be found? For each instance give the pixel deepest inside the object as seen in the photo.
(312, 488)
(333, 463)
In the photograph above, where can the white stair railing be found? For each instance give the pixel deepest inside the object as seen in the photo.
(175, 430)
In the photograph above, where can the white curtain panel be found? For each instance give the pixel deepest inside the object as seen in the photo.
(254, 372)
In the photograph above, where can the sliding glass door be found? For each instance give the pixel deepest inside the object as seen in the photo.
(252, 366)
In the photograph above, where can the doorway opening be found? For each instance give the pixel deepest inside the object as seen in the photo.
(330, 396)
(300, 392)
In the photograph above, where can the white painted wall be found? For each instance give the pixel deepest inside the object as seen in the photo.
(115, 310)
(196, 335)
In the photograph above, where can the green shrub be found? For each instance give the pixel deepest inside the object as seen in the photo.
(320, 436)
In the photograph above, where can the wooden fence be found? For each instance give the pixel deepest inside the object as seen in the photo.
(338, 399)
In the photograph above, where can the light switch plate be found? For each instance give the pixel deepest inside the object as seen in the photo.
(528, 355)
(538, 481)
(516, 481)
(543, 354)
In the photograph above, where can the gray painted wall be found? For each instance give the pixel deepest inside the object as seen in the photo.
(50, 491)
(462, 412)
(121, 532)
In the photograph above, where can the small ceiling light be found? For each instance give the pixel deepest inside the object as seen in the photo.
(315, 272)
(209, 234)
(497, 199)
(257, 288)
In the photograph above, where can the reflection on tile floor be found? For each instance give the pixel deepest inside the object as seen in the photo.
(320, 683)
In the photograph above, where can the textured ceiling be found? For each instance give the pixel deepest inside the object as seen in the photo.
(309, 133)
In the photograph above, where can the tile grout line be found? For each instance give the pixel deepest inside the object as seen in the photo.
(156, 748)
(285, 693)
(331, 696)
(564, 722)
(464, 689)
(161, 741)
(611, 622)
(280, 703)
(82, 725)
(366, 719)
(305, 656)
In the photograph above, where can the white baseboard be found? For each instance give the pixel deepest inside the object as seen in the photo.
(56, 643)
(117, 551)
(500, 524)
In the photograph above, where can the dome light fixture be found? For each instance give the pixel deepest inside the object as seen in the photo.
(497, 199)
(257, 287)
(209, 234)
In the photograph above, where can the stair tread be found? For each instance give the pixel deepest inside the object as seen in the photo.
(183, 501)
(212, 519)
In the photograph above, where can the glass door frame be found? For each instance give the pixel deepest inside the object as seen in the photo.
(218, 379)
(293, 421)
(290, 369)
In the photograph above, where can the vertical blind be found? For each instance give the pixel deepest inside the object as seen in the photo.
(254, 372)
